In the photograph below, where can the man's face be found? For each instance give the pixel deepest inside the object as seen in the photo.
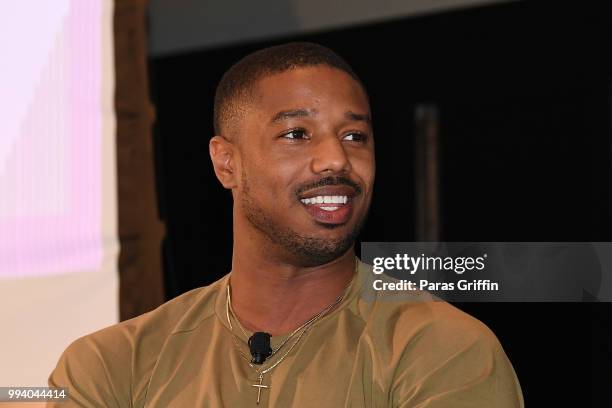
(307, 155)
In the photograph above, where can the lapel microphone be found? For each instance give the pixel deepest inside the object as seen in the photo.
(259, 345)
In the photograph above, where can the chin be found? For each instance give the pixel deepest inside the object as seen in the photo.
(331, 226)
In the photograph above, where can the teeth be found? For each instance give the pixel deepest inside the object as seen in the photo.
(326, 200)
(329, 208)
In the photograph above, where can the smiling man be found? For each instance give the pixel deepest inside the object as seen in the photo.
(289, 326)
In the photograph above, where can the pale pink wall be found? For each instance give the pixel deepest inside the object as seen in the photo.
(50, 160)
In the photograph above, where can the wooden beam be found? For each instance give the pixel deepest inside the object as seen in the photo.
(140, 230)
(427, 174)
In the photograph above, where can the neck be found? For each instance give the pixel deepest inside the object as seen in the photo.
(276, 297)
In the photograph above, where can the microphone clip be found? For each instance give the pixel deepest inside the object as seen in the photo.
(259, 345)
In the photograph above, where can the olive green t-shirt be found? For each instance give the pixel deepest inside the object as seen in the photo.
(370, 351)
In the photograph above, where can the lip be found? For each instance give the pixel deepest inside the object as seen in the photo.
(341, 190)
(336, 217)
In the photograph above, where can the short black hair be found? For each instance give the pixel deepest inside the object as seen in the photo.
(237, 83)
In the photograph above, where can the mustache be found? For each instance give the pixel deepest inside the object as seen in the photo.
(329, 181)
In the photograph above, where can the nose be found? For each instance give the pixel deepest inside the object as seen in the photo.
(330, 155)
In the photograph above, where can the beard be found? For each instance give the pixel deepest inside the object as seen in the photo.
(304, 251)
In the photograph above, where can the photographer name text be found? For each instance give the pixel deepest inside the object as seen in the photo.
(423, 263)
(424, 284)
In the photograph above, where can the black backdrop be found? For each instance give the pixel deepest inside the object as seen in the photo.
(524, 95)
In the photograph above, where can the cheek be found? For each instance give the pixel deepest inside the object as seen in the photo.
(364, 167)
(278, 173)
(271, 184)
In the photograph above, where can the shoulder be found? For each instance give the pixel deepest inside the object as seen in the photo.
(438, 326)
(445, 355)
(115, 363)
(440, 320)
(435, 354)
(150, 330)
(410, 314)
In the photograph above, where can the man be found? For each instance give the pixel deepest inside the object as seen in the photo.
(295, 146)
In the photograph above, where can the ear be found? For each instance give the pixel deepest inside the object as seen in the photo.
(222, 154)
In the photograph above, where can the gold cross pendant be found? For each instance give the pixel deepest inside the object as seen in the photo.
(259, 387)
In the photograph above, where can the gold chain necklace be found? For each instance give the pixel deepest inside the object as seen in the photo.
(231, 312)
(302, 329)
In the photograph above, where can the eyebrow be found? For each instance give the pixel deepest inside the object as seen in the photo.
(300, 113)
(358, 117)
(293, 113)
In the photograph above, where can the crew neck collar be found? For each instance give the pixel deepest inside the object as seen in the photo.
(351, 291)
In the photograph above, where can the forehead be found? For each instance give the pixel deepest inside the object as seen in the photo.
(309, 87)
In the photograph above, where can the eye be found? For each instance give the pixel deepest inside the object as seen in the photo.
(355, 137)
(296, 134)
